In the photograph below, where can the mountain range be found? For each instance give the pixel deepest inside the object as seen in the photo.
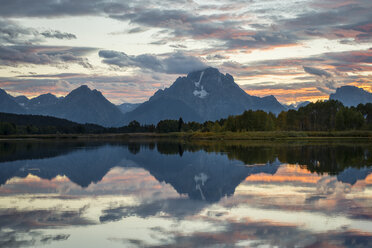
(82, 105)
(200, 96)
(127, 107)
(351, 95)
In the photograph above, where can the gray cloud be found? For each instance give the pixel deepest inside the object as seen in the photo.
(234, 30)
(317, 72)
(12, 33)
(176, 207)
(19, 46)
(137, 30)
(176, 63)
(47, 8)
(216, 57)
(276, 86)
(58, 35)
(179, 63)
(264, 234)
(326, 80)
(23, 223)
(332, 22)
(43, 55)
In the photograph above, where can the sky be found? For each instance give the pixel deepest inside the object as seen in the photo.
(295, 50)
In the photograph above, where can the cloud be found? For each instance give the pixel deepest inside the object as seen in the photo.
(20, 46)
(179, 63)
(326, 80)
(216, 57)
(44, 55)
(58, 35)
(325, 90)
(327, 20)
(46, 8)
(137, 30)
(176, 63)
(317, 72)
(253, 26)
(12, 33)
(176, 207)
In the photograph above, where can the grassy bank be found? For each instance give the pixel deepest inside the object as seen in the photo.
(267, 135)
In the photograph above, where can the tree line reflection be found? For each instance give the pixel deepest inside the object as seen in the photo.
(202, 170)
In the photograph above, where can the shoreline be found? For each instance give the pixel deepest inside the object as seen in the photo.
(263, 135)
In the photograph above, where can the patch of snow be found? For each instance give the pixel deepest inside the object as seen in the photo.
(199, 89)
(200, 93)
(197, 84)
(202, 177)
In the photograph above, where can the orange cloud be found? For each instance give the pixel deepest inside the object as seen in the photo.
(291, 95)
(286, 174)
(367, 86)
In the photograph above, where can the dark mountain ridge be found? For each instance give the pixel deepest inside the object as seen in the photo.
(8, 104)
(201, 96)
(82, 105)
(351, 95)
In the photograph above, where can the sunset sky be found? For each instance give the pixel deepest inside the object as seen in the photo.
(295, 50)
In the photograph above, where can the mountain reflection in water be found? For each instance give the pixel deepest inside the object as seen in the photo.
(234, 193)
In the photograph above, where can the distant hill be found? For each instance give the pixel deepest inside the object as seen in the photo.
(351, 95)
(8, 104)
(81, 105)
(201, 96)
(39, 104)
(84, 105)
(39, 121)
(127, 107)
(297, 105)
(21, 100)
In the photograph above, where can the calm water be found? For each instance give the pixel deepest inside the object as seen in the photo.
(84, 194)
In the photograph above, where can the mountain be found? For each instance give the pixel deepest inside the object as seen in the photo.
(127, 107)
(201, 96)
(152, 111)
(84, 105)
(8, 104)
(38, 104)
(297, 105)
(21, 100)
(351, 95)
(352, 175)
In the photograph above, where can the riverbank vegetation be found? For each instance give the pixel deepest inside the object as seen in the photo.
(320, 119)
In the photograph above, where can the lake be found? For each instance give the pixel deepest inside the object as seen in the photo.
(189, 194)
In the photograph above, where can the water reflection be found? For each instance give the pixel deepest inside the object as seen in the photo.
(185, 194)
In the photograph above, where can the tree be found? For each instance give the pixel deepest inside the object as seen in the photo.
(7, 128)
(340, 121)
(180, 124)
(134, 126)
(167, 126)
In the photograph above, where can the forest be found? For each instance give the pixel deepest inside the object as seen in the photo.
(319, 116)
